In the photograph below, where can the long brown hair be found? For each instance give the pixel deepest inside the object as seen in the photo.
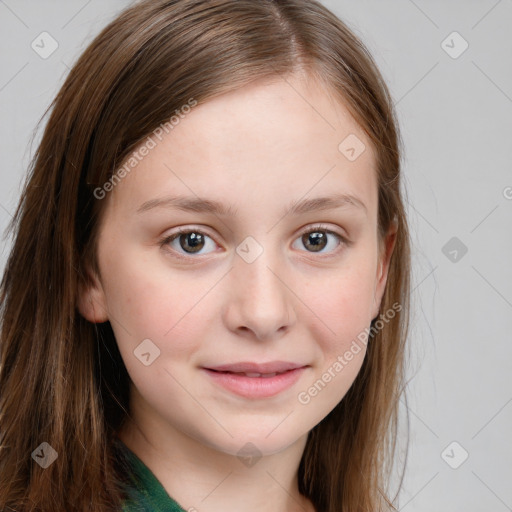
(62, 379)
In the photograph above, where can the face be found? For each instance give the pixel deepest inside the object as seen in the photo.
(270, 276)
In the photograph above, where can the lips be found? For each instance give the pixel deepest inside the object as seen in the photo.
(254, 374)
(249, 369)
(256, 380)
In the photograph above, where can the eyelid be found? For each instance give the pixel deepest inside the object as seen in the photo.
(166, 239)
(307, 229)
(343, 240)
(323, 227)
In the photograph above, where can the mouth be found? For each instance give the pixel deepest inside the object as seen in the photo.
(255, 381)
(253, 374)
(248, 367)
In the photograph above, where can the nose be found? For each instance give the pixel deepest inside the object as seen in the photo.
(259, 298)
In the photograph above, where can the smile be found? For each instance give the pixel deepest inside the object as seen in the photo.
(255, 385)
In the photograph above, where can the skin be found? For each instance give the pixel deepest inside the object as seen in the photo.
(257, 149)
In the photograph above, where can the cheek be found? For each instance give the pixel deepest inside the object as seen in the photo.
(340, 308)
(339, 323)
(145, 302)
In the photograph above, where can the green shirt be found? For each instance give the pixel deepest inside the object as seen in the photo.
(146, 493)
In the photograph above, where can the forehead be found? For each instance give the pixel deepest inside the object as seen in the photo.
(281, 139)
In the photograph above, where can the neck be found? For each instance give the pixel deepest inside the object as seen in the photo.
(203, 478)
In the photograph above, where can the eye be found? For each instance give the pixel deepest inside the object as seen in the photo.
(190, 241)
(187, 242)
(317, 238)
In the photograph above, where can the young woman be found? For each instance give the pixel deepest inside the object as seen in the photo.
(206, 302)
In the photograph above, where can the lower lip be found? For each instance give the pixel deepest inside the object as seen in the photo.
(256, 387)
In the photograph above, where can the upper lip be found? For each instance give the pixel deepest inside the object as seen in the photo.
(248, 367)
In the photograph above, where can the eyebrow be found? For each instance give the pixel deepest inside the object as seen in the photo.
(299, 207)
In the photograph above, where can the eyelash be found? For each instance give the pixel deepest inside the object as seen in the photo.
(319, 227)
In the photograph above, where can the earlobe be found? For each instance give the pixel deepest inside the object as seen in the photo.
(91, 300)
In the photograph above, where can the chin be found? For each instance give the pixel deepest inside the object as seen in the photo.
(257, 443)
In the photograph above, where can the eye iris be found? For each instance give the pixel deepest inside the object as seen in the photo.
(194, 241)
(316, 238)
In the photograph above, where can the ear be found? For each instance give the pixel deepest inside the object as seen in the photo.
(383, 266)
(92, 302)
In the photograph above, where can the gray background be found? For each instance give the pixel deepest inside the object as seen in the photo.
(456, 121)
